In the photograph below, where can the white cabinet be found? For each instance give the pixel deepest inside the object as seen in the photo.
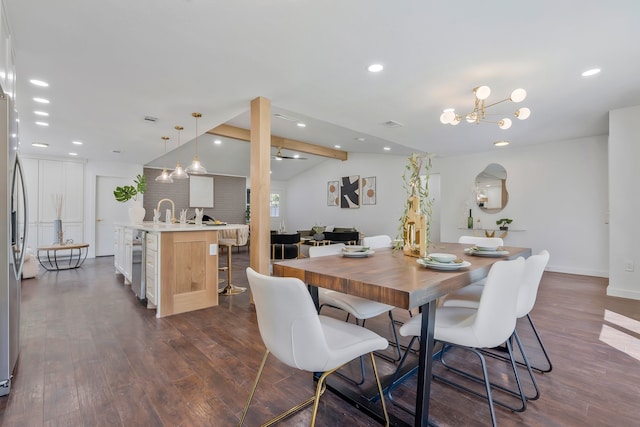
(151, 272)
(128, 258)
(118, 249)
(61, 178)
(45, 179)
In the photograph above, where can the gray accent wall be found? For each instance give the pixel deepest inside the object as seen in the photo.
(229, 203)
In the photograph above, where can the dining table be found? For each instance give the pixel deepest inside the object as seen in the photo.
(391, 277)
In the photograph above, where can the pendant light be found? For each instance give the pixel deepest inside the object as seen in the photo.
(179, 173)
(164, 176)
(196, 167)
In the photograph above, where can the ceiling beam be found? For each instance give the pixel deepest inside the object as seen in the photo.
(279, 142)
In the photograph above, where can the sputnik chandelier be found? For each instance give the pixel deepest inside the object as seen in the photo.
(479, 114)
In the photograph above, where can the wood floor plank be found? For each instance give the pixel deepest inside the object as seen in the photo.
(92, 355)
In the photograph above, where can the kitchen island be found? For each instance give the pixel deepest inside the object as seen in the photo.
(180, 264)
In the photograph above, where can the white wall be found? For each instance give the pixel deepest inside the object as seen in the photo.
(557, 195)
(624, 177)
(307, 195)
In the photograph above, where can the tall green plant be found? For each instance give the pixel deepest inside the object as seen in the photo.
(414, 186)
(128, 192)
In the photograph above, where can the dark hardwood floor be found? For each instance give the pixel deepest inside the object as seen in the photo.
(93, 356)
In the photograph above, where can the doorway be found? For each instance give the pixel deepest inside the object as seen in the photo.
(108, 213)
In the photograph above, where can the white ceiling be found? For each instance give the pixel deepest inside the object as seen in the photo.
(109, 64)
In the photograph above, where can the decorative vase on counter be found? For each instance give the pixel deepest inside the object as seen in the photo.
(136, 214)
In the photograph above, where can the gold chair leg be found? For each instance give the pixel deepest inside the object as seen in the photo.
(315, 399)
(384, 406)
(320, 388)
(253, 389)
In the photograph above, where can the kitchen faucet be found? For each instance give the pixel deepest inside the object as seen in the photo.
(173, 208)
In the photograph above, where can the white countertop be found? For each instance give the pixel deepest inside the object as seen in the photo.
(164, 227)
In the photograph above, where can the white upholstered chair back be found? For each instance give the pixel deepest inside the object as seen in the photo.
(316, 251)
(481, 241)
(288, 322)
(533, 270)
(234, 237)
(373, 242)
(496, 316)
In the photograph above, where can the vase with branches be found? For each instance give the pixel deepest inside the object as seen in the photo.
(414, 229)
(58, 234)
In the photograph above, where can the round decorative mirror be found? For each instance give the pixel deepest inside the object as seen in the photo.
(491, 189)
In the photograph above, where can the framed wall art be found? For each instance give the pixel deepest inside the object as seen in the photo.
(368, 189)
(350, 192)
(333, 195)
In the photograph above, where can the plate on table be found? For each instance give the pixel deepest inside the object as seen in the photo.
(487, 248)
(494, 253)
(429, 263)
(357, 254)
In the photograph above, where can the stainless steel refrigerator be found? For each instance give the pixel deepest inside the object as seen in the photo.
(13, 229)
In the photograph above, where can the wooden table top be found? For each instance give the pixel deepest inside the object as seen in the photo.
(57, 247)
(392, 278)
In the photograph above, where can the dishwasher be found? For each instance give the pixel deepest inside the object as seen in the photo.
(138, 262)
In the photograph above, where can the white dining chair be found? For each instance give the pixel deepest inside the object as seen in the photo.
(380, 241)
(481, 241)
(469, 296)
(490, 325)
(299, 337)
(360, 308)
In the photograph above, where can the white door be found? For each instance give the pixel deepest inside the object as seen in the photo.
(108, 212)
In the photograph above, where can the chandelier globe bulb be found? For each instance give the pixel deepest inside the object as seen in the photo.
(518, 95)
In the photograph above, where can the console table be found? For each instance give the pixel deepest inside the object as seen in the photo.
(62, 257)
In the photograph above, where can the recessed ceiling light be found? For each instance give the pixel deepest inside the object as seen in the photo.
(39, 83)
(42, 123)
(387, 148)
(301, 125)
(375, 68)
(217, 142)
(361, 139)
(591, 72)
(76, 142)
(41, 113)
(41, 100)
(73, 154)
(296, 156)
(336, 146)
(40, 145)
(501, 143)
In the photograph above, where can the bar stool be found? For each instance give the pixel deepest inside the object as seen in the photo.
(229, 239)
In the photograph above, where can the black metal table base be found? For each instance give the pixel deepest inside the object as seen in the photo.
(53, 262)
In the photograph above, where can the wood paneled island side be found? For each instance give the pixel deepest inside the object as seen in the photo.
(181, 265)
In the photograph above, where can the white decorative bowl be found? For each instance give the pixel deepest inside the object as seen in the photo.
(443, 257)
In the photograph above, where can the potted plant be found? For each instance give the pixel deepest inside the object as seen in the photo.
(503, 223)
(128, 192)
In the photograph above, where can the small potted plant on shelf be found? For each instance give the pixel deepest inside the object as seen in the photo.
(503, 223)
(128, 192)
